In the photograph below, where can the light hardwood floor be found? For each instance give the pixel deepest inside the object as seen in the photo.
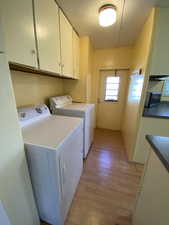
(107, 190)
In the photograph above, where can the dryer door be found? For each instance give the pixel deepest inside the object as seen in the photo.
(71, 164)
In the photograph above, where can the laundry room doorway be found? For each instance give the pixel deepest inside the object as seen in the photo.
(112, 94)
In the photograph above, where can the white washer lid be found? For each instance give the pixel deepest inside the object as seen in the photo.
(51, 131)
(77, 106)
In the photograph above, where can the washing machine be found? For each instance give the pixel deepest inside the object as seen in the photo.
(54, 150)
(63, 105)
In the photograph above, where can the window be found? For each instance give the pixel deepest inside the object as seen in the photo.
(136, 87)
(112, 88)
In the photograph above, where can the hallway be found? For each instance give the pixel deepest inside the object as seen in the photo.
(108, 186)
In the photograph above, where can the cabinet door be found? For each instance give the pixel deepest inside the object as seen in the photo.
(159, 59)
(153, 202)
(76, 55)
(2, 49)
(18, 26)
(48, 37)
(66, 46)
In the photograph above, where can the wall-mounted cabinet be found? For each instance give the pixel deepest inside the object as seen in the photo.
(76, 55)
(18, 26)
(66, 46)
(159, 59)
(39, 36)
(48, 35)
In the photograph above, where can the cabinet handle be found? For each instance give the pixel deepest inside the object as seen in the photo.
(35, 57)
(33, 51)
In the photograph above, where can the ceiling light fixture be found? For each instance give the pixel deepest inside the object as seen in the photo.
(107, 15)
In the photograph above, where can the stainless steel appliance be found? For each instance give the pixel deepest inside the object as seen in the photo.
(152, 99)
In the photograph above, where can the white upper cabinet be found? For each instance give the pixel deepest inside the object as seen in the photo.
(76, 55)
(2, 49)
(159, 60)
(66, 46)
(48, 37)
(18, 26)
(39, 35)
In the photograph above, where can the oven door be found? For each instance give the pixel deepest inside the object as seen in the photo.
(154, 99)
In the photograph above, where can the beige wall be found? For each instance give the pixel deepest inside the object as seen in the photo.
(33, 89)
(115, 58)
(153, 126)
(110, 114)
(91, 61)
(141, 51)
(142, 46)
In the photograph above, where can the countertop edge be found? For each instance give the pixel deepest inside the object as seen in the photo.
(155, 116)
(158, 152)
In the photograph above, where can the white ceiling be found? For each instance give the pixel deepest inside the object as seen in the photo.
(83, 14)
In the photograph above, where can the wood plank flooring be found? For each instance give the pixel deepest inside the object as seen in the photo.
(107, 190)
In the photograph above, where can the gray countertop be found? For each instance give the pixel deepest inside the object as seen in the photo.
(160, 146)
(159, 111)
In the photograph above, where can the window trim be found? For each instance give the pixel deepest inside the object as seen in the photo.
(111, 100)
(118, 95)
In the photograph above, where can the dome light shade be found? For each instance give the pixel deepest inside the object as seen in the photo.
(107, 15)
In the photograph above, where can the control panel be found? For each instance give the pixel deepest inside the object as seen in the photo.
(29, 114)
(61, 101)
